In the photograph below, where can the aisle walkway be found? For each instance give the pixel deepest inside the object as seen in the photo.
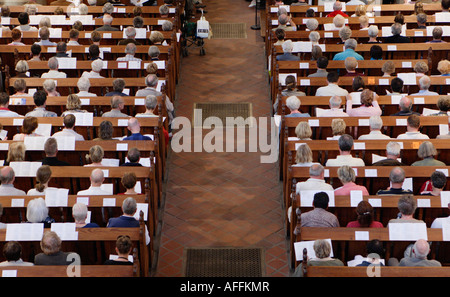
(223, 199)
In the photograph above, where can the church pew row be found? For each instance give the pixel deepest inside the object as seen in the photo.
(76, 271)
(100, 240)
(385, 271)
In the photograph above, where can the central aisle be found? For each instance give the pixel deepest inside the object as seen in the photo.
(223, 199)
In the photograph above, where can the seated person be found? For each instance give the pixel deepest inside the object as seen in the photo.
(12, 251)
(427, 153)
(365, 217)
(345, 157)
(319, 216)
(369, 105)
(413, 129)
(375, 124)
(335, 108)
(332, 87)
(405, 107)
(347, 177)
(392, 154)
(40, 98)
(133, 155)
(79, 213)
(52, 253)
(396, 178)
(437, 183)
(124, 247)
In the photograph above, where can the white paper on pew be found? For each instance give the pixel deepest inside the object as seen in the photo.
(57, 19)
(160, 83)
(178, 36)
(84, 118)
(277, 120)
(122, 65)
(85, 19)
(328, 34)
(371, 172)
(386, 31)
(444, 171)
(356, 98)
(85, 101)
(44, 129)
(314, 123)
(407, 231)
(134, 64)
(363, 122)
(429, 111)
(309, 245)
(395, 99)
(67, 63)
(17, 122)
(423, 203)
(25, 168)
(114, 257)
(445, 198)
(359, 145)
(408, 184)
(109, 202)
(307, 197)
(16, 202)
(302, 47)
(110, 162)
(328, 6)
(35, 19)
(383, 82)
(442, 17)
(355, 197)
(419, 100)
(4, 146)
(18, 101)
(9, 273)
(406, 64)
(275, 22)
(105, 173)
(151, 135)
(160, 64)
(65, 143)
(55, 32)
(66, 231)
(24, 232)
(51, 49)
(443, 129)
(400, 122)
(141, 33)
(375, 202)
(139, 101)
(144, 208)
(122, 122)
(305, 82)
(359, 259)
(282, 77)
(122, 147)
(362, 235)
(323, 47)
(408, 78)
(88, 217)
(84, 200)
(56, 197)
(329, 27)
(138, 187)
(445, 230)
(6, 21)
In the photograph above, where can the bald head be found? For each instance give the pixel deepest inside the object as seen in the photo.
(97, 177)
(133, 125)
(421, 249)
(7, 175)
(405, 104)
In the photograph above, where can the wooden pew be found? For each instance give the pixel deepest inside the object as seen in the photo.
(81, 271)
(385, 271)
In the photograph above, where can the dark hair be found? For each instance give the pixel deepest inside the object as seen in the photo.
(399, 18)
(375, 246)
(396, 84)
(333, 76)
(310, 13)
(438, 179)
(445, 4)
(94, 51)
(36, 49)
(358, 83)
(322, 62)
(364, 213)
(69, 120)
(12, 250)
(4, 98)
(23, 18)
(39, 97)
(345, 142)
(321, 200)
(376, 52)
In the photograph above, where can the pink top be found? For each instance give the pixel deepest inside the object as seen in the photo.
(355, 224)
(363, 111)
(351, 186)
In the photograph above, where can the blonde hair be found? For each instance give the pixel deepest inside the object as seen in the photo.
(73, 102)
(338, 126)
(360, 10)
(303, 154)
(16, 152)
(303, 130)
(96, 154)
(444, 66)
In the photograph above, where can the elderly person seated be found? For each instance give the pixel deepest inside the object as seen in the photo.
(96, 67)
(351, 64)
(421, 68)
(437, 35)
(53, 65)
(157, 38)
(293, 103)
(130, 52)
(283, 21)
(345, 157)
(349, 51)
(388, 68)
(393, 151)
(345, 33)
(44, 34)
(322, 250)
(49, 87)
(22, 68)
(338, 127)
(405, 107)
(312, 24)
(302, 131)
(416, 256)
(421, 20)
(79, 214)
(443, 104)
(369, 105)
(287, 55)
(335, 110)
(424, 85)
(83, 85)
(96, 154)
(153, 53)
(397, 178)
(20, 86)
(372, 31)
(130, 33)
(117, 105)
(375, 124)
(364, 22)
(444, 67)
(151, 104)
(338, 22)
(337, 10)
(396, 30)
(314, 37)
(118, 88)
(347, 176)
(427, 153)
(37, 212)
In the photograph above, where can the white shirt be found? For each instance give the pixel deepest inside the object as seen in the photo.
(69, 132)
(34, 192)
(93, 191)
(345, 160)
(413, 135)
(54, 74)
(73, 42)
(331, 90)
(313, 184)
(91, 74)
(373, 135)
(10, 190)
(85, 94)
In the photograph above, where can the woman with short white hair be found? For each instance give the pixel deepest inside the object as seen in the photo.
(83, 85)
(293, 103)
(96, 66)
(49, 86)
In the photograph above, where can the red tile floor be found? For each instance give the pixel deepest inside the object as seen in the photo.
(227, 199)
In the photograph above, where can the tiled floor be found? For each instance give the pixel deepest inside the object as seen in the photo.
(223, 198)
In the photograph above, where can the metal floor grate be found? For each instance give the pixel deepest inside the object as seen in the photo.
(218, 113)
(229, 31)
(224, 262)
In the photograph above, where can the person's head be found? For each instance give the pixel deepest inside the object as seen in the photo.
(350, 43)
(337, 6)
(312, 24)
(167, 26)
(367, 97)
(94, 50)
(335, 101)
(293, 103)
(40, 97)
(96, 154)
(290, 82)
(83, 84)
(129, 180)
(153, 51)
(20, 85)
(360, 10)
(49, 86)
(399, 19)
(322, 62)
(339, 21)
(31, 9)
(97, 65)
(50, 243)
(338, 127)
(443, 103)
(107, 19)
(138, 21)
(406, 205)
(303, 130)
(316, 52)
(45, 22)
(151, 102)
(36, 50)
(365, 213)
(23, 18)
(421, 67)
(444, 67)
(321, 200)
(79, 26)
(393, 149)
(316, 171)
(105, 130)
(303, 154)
(83, 9)
(445, 4)
(69, 121)
(310, 13)
(426, 150)
(156, 37)
(79, 212)
(346, 174)
(74, 34)
(350, 64)
(4, 99)
(397, 175)
(397, 85)
(97, 177)
(53, 63)
(7, 175)
(37, 210)
(283, 19)
(151, 80)
(314, 36)
(375, 123)
(137, 11)
(51, 147)
(345, 33)
(164, 10)
(95, 38)
(44, 33)
(130, 32)
(29, 125)
(322, 248)
(345, 143)
(16, 152)
(421, 249)
(134, 155)
(73, 101)
(22, 66)
(129, 206)
(118, 85)
(375, 247)
(418, 7)
(117, 102)
(388, 67)
(16, 34)
(332, 77)
(43, 175)
(358, 83)
(5, 11)
(363, 21)
(372, 31)
(413, 122)
(58, 11)
(421, 19)
(12, 250)
(133, 125)
(376, 52)
(124, 245)
(287, 46)
(396, 29)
